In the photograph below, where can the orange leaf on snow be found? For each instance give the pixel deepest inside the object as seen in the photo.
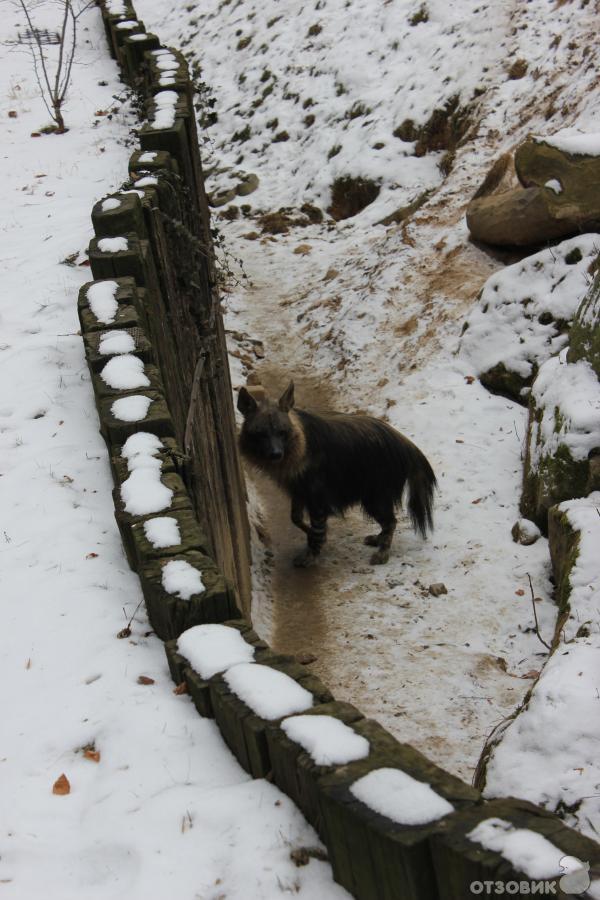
(61, 786)
(91, 556)
(145, 679)
(181, 688)
(520, 592)
(92, 755)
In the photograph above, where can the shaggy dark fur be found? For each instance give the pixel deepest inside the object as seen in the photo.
(330, 462)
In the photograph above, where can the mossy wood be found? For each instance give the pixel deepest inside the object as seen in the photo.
(170, 614)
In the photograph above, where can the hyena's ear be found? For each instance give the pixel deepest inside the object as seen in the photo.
(286, 401)
(246, 403)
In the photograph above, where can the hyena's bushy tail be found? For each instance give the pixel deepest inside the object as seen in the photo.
(422, 484)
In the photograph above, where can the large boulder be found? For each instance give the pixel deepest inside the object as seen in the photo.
(558, 194)
(523, 314)
(563, 437)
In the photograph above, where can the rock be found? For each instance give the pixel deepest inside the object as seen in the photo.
(220, 198)
(520, 217)
(525, 532)
(584, 337)
(247, 185)
(438, 589)
(558, 195)
(523, 314)
(563, 437)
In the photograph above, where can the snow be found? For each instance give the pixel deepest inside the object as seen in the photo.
(505, 324)
(140, 446)
(147, 156)
(112, 245)
(399, 797)
(128, 24)
(213, 648)
(527, 851)
(269, 693)
(328, 740)
(117, 341)
(142, 36)
(163, 531)
(125, 373)
(110, 203)
(167, 810)
(101, 296)
(571, 141)
(144, 493)
(165, 106)
(554, 185)
(131, 409)
(147, 181)
(368, 318)
(572, 390)
(182, 579)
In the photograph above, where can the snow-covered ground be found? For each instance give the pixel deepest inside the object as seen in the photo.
(369, 318)
(158, 807)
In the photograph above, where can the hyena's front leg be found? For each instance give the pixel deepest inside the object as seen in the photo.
(297, 515)
(316, 537)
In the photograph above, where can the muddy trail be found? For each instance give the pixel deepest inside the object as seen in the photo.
(438, 672)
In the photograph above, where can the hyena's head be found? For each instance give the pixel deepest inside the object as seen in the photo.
(269, 435)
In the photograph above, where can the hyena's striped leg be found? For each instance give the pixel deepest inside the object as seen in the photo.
(297, 515)
(316, 537)
(384, 540)
(382, 510)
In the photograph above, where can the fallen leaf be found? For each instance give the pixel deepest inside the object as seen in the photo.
(124, 632)
(302, 249)
(469, 379)
(459, 441)
(145, 679)
(533, 673)
(101, 112)
(61, 786)
(85, 262)
(181, 688)
(479, 499)
(91, 556)
(520, 592)
(12, 114)
(92, 755)
(35, 134)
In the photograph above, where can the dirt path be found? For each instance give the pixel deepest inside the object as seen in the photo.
(438, 672)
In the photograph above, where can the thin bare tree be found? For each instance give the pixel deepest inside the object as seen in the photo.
(53, 78)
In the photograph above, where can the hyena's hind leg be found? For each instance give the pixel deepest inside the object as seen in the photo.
(383, 513)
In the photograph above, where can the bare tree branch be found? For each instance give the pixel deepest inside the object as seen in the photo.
(54, 91)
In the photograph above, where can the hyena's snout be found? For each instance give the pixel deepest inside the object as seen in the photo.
(275, 448)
